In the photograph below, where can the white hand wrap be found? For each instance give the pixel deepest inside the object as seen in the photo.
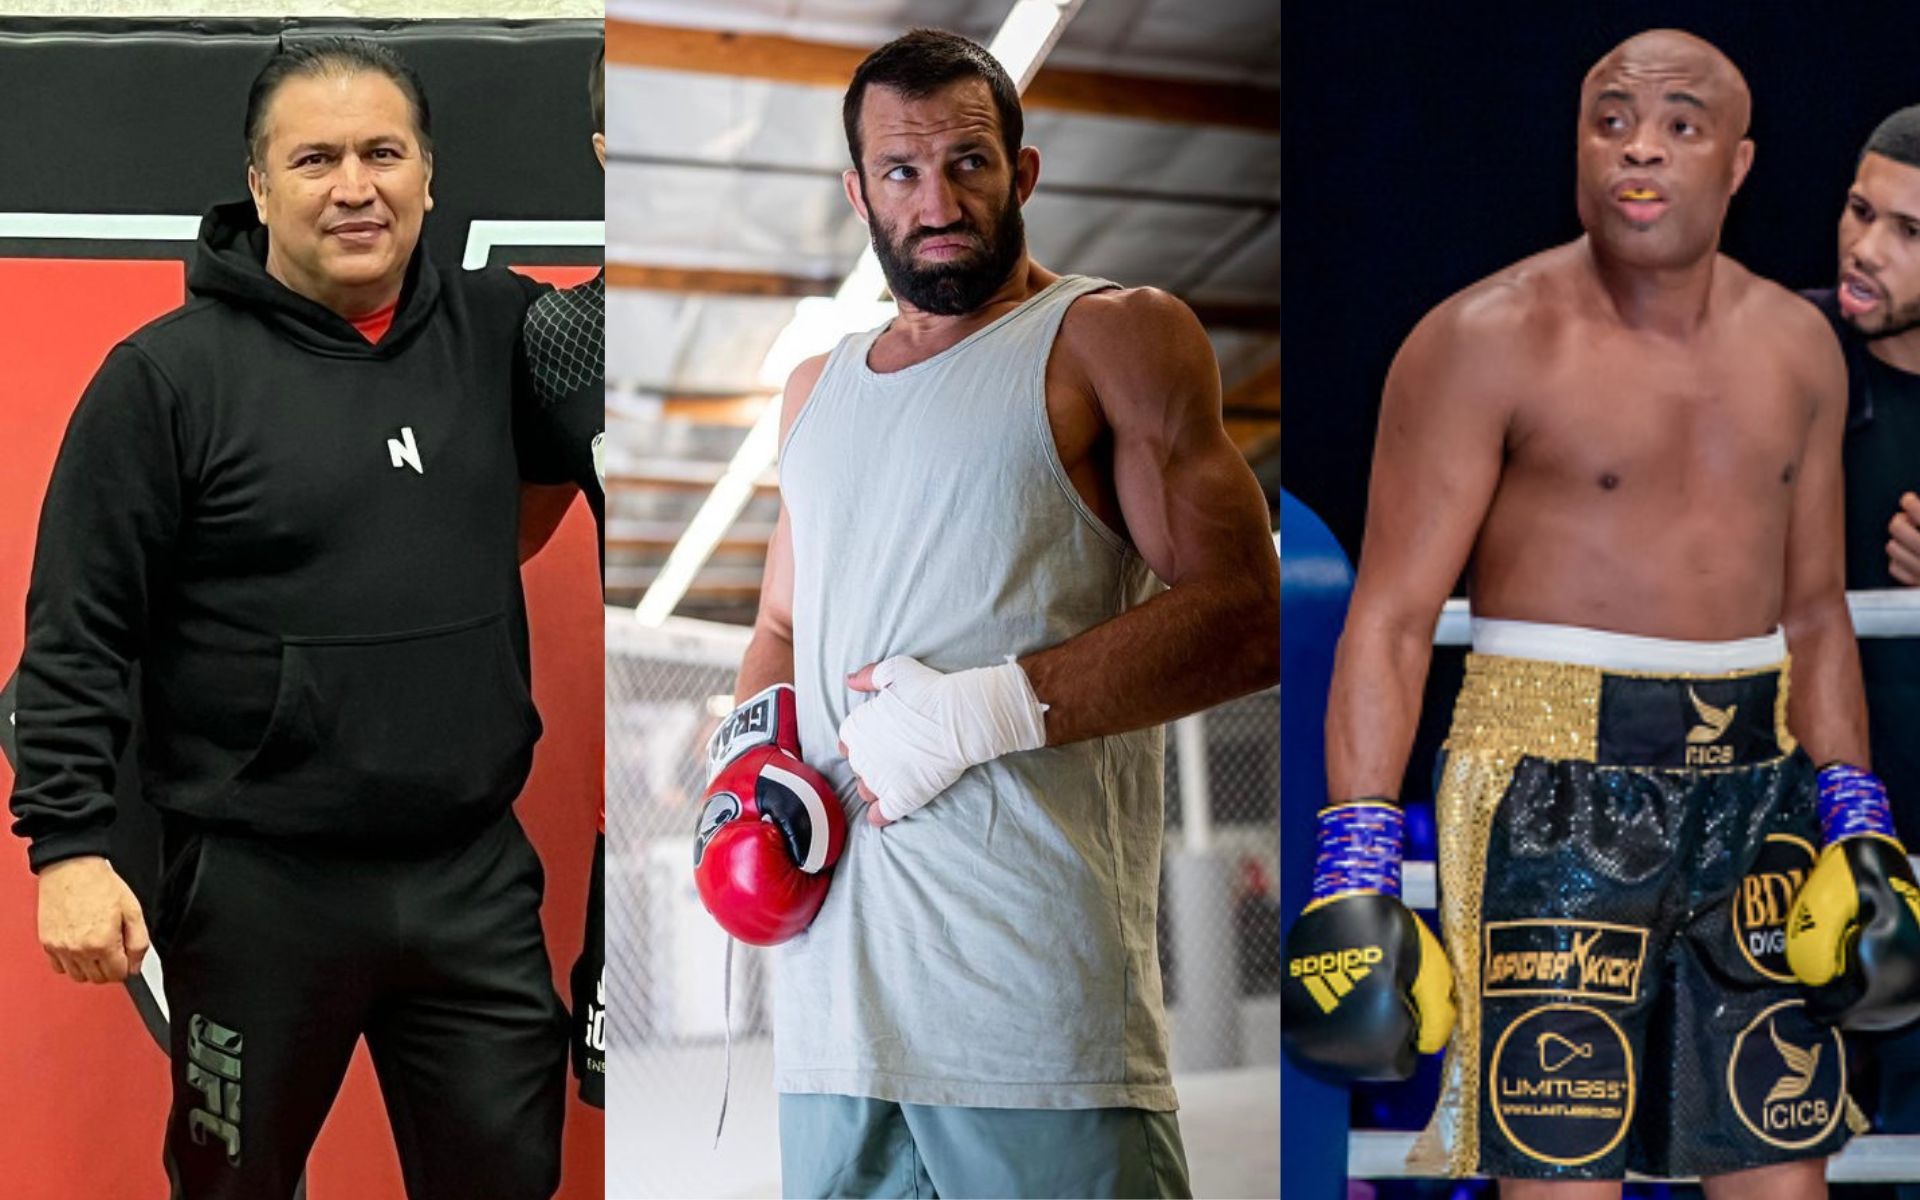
(912, 739)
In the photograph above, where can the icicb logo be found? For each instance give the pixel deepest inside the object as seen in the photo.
(1703, 749)
(1788, 1077)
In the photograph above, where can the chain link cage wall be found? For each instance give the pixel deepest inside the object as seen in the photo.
(669, 1059)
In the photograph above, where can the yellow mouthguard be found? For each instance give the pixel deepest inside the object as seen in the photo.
(1638, 194)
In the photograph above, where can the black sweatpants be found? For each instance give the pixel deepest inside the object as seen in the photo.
(278, 958)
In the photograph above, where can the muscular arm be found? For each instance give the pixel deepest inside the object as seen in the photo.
(1827, 706)
(1436, 464)
(1196, 514)
(769, 656)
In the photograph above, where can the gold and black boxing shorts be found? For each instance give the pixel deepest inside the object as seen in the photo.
(1623, 822)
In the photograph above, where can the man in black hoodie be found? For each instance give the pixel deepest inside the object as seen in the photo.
(293, 502)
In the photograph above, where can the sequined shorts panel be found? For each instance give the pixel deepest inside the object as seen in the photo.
(1618, 854)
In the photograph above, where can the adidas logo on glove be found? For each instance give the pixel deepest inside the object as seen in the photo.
(1332, 975)
(1369, 988)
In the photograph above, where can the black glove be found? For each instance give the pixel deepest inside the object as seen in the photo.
(1368, 987)
(1854, 934)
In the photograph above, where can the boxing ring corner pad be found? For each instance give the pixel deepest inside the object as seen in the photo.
(1875, 1158)
(1316, 580)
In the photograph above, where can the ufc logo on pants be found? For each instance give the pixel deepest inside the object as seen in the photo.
(213, 1069)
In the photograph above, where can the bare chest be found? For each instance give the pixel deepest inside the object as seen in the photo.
(1613, 415)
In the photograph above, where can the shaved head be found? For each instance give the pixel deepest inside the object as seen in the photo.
(1692, 66)
(1663, 148)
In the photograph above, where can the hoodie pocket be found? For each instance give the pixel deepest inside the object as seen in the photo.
(183, 868)
(396, 734)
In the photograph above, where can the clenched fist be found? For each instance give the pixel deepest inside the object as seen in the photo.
(90, 924)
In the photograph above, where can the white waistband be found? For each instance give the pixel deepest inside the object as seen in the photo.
(1624, 651)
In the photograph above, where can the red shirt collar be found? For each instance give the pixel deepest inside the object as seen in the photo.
(375, 324)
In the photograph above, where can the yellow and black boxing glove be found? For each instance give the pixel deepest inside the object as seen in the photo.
(1368, 988)
(1853, 936)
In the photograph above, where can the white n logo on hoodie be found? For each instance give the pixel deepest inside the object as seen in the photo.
(403, 452)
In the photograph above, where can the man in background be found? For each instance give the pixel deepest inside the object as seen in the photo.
(565, 332)
(1875, 312)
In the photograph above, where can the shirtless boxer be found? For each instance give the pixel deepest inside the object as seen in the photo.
(1632, 445)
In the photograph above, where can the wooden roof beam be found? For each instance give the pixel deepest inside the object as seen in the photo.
(1060, 89)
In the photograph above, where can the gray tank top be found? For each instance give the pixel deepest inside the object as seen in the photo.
(997, 947)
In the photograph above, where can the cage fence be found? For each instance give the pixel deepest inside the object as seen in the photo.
(668, 1049)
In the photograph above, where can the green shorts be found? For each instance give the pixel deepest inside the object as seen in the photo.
(833, 1146)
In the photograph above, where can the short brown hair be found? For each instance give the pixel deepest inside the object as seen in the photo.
(920, 63)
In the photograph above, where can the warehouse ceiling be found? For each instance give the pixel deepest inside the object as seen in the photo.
(1158, 127)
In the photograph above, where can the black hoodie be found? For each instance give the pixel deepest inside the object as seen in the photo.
(308, 542)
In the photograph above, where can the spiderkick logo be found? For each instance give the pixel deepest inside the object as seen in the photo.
(1577, 959)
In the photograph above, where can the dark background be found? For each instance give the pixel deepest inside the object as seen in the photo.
(1426, 146)
(122, 116)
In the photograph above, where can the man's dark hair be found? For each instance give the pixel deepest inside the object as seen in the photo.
(1897, 137)
(340, 56)
(920, 63)
(597, 89)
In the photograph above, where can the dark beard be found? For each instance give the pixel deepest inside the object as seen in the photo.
(957, 288)
(1899, 321)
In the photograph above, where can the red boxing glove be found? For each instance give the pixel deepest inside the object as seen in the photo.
(771, 827)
